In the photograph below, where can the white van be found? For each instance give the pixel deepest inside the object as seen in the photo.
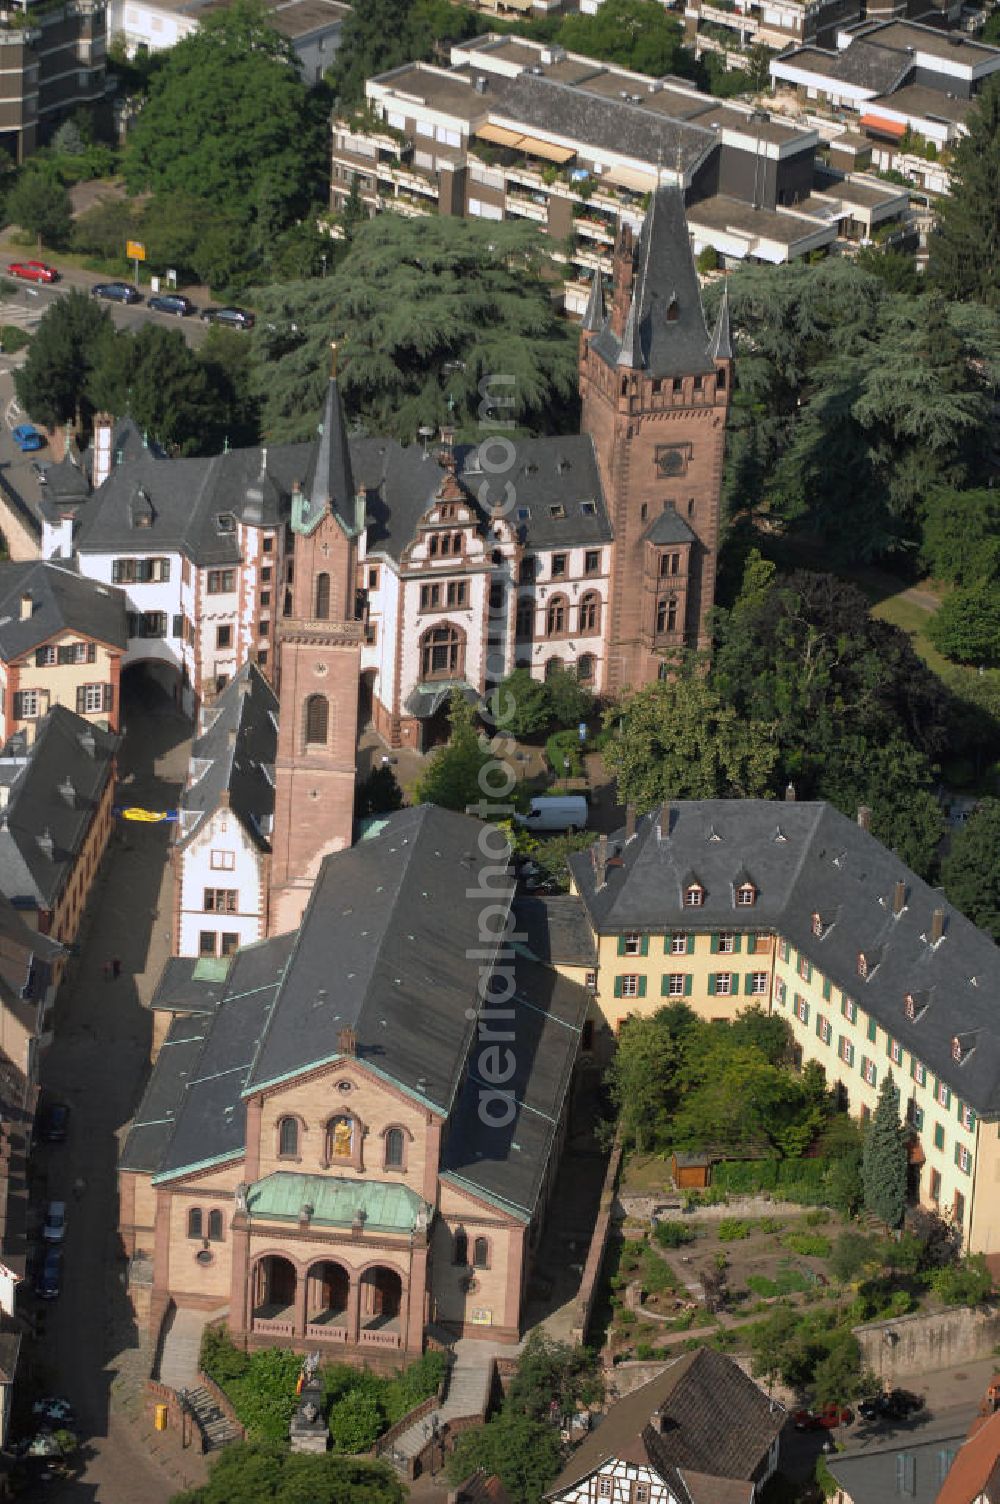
(555, 813)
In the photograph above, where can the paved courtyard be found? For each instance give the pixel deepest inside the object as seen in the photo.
(88, 1348)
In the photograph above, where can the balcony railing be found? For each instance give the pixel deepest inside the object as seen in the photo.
(373, 1337)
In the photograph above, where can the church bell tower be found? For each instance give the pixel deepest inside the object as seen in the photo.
(319, 667)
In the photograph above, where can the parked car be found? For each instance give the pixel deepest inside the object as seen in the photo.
(825, 1419)
(551, 813)
(53, 1123)
(172, 302)
(117, 292)
(55, 1411)
(27, 438)
(233, 318)
(49, 1280)
(895, 1404)
(55, 1222)
(33, 271)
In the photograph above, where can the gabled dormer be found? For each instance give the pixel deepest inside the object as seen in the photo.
(694, 891)
(745, 890)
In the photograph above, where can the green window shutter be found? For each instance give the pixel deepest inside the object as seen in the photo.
(956, 1154)
(819, 1026)
(809, 971)
(621, 945)
(645, 946)
(665, 985)
(711, 984)
(688, 981)
(642, 986)
(939, 1136)
(805, 1013)
(738, 944)
(972, 1121)
(748, 983)
(959, 1106)
(618, 986)
(864, 1063)
(715, 944)
(872, 1030)
(690, 945)
(827, 989)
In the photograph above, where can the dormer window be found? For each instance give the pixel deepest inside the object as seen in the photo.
(956, 1049)
(557, 511)
(962, 1046)
(694, 896)
(862, 964)
(225, 522)
(746, 895)
(817, 929)
(910, 1006)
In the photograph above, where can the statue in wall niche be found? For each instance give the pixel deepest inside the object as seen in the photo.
(343, 1138)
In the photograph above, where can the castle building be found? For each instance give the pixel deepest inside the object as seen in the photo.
(592, 552)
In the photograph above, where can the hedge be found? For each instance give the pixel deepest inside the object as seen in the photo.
(801, 1180)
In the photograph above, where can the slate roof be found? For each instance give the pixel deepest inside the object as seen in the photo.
(664, 274)
(870, 1476)
(555, 929)
(715, 1421)
(184, 987)
(54, 786)
(506, 1161)
(807, 858)
(388, 948)
(63, 601)
(329, 481)
(669, 526)
(234, 758)
(192, 1112)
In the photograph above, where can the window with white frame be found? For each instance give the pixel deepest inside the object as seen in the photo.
(779, 991)
(846, 1051)
(824, 1030)
(963, 1159)
(604, 1488)
(727, 945)
(694, 896)
(633, 945)
(223, 861)
(26, 705)
(758, 983)
(678, 945)
(919, 1073)
(675, 984)
(966, 1116)
(895, 1052)
(746, 895)
(801, 1009)
(783, 949)
(724, 983)
(943, 1094)
(630, 985)
(92, 699)
(869, 1072)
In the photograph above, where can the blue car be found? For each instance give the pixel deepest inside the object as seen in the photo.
(48, 1282)
(27, 437)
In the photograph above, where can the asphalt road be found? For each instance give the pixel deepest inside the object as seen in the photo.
(89, 1349)
(31, 300)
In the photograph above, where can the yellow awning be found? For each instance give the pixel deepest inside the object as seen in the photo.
(628, 177)
(498, 135)
(545, 149)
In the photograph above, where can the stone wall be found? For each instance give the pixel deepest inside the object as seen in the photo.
(913, 1345)
(598, 1246)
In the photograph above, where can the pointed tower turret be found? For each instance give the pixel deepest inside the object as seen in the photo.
(593, 319)
(720, 346)
(329, 483)
(630, 356)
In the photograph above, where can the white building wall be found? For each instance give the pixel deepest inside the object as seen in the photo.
(219, 610)
(220, 833)
(383, 610)
(157, 595)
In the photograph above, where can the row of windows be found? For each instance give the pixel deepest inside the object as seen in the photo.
(211, 943)
(140, 571)
(558, 616)
(67, 652)
(91, 699)
(200, 1226)
(726, 943)
(680, 984)
(341, 1137)
(221, 901)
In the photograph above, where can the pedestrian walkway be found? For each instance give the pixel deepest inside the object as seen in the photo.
(179, 1357)
(468, 1393)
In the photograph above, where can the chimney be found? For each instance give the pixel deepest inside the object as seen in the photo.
(790, 793)
(601, 873)
(27, 606)
(937, 926)
(347, 1042)
(663, 823)
(68, 792)
(231, 737)
(629, 822)
(88, 742)
(864, 817)
(656, 1421)
(899, 898)
(46, 843)
(4, 795)
(305, 1214)
(102, 456)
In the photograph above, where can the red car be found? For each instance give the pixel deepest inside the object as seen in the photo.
(33, 271)
(826, 1419)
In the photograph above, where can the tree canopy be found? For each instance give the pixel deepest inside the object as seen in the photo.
(638, 34)
(233, 143)
(451, 774)
(971, 872)
(966, 627)
(831, 362)
(965, 244)
(54, 382)
(268, 1473)
(438, 320)
(40, 204)
(961, 535)
(884, 1162)
(677, 740)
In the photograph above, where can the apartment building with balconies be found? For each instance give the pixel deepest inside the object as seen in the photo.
(517, 130)
(52, 60)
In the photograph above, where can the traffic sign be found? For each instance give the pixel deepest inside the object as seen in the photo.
(135, 250)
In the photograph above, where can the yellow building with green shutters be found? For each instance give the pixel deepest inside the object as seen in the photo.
(726, 903)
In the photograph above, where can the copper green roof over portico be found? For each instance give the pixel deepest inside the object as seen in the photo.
(335, 1201)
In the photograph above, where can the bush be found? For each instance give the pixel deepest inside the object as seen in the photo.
(733, 1229)
(965, 1284)
(851, 1254)
(808, 1244)
(563, 747)
(356, 1422)
(771, 1224)
(966, 626)
(707, 260)
(12, 338)
(673, 1234)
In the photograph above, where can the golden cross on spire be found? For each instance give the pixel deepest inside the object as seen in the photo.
(333, 360)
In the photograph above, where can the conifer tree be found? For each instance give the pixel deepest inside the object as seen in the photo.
(884, 1160)
(965, 247)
